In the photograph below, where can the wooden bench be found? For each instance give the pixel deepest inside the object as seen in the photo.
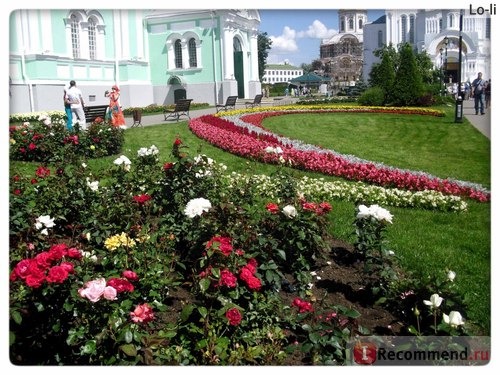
(93, 112)
(181, 109)
(255, 103)
(230, 104)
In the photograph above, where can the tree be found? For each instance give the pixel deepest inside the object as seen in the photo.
(408, 86)
(383, 75)
(263, 46)
(306, 67)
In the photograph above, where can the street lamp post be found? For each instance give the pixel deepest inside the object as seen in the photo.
(446, 41)
(441, 90)
(459, 100)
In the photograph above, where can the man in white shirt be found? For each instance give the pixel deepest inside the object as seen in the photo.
(76, 99)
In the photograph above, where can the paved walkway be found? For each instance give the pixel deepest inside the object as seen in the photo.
(482, 123)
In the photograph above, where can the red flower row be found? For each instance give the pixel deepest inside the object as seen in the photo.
(240, 141)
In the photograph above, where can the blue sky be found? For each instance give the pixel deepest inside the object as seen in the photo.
(297, 33)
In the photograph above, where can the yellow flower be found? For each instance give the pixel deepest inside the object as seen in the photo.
(114, 242)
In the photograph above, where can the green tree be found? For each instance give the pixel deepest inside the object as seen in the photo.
(408, 86)
(263, 46)
(383, 75)
(426, 68)
(307, 68)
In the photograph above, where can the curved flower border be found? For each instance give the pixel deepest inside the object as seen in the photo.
(240, 132)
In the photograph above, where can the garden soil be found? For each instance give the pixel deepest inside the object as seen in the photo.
(342, 281)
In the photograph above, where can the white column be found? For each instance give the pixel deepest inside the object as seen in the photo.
(254, 63)
(227, 52)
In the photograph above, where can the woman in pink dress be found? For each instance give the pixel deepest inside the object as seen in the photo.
(117, 118)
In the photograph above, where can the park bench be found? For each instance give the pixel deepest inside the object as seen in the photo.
(181, 109)
(255, 103)
(230, 104)
(93, 112)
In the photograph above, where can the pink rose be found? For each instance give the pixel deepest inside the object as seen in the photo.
(110, 293)
(142, 314)
(93, 290)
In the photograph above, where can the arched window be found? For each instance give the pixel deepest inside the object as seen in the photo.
(342, 26)
(237, 45)
(192, 53)
(412, 29)
(351, 23)
(92, 39)
(380, 37)
(360, 23)
(450, 20)
(85, 34)
(75, 36)
(178, 54)
(403, 29)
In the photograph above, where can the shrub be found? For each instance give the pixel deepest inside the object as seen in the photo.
(374, 96)
(50, 142)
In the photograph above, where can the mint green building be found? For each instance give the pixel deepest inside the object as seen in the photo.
(154, 56)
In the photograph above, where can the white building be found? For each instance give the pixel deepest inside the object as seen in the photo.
(436, 32)
(278, 73)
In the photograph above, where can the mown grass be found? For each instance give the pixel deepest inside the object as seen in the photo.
(427, 242)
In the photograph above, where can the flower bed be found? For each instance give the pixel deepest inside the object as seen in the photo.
(240, 132)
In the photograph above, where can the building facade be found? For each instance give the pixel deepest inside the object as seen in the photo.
(155, 56)
(343, 53)
(437, 32)
(279, 73)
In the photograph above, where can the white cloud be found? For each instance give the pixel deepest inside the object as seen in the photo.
(284, 43)
(317, 30)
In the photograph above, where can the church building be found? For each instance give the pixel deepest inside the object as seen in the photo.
(154, 56)
(436, 32)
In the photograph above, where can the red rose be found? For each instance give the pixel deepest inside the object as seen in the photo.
(141, 199)
(227, 279)
(35, 280)
(177, 142)
(68, 266)
(272, 208)
(168, 166)
(121, 285)
(302, 305)
(74, 253)
(42, 172)
(130, 275)
(57, 274)
(254, 283)
(234, 316)
(43, 259)
(58, 251)
(309, 206)
(22, 269)
(245, 274)
(142, 314)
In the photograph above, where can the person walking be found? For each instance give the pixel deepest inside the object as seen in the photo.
(75, 99)
(478, 86)
(67, 109)
(115, 109)
(487, 94)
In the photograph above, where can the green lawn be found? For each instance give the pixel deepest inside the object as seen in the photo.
(426, 241)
